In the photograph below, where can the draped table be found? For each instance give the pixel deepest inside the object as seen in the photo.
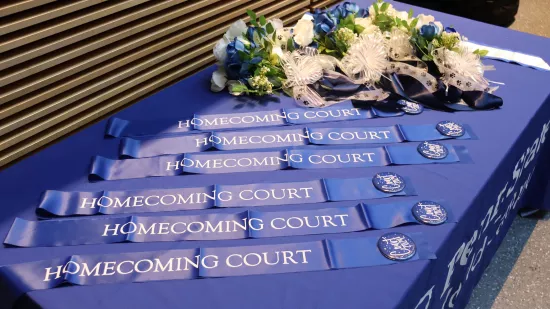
(509, 171)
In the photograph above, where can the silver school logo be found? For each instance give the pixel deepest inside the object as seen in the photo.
(399, 247)
(390, 182)
(412, 107)
(432, 212)
(452, 128)
(435, 150)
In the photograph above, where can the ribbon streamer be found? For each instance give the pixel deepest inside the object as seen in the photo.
(345, 111)
(231, 162)
(59, 203)
(240, 140)
(186, 264)
(213, 226)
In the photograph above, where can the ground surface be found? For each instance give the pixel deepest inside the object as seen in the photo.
(519, 276)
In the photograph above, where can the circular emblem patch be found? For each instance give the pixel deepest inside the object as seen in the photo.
(410, 108)
(451, 129)
(396, 246)
(388, 182)
(430, 213)
(433, 150)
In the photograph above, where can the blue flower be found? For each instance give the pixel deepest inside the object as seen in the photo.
(450, 30)
(344, 10)
(429, 31)
(250, 36)
(235, 67)
(324, 23)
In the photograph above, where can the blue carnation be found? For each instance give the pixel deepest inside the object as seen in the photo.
(429, 31)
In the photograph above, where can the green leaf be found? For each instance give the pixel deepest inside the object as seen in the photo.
(252, 15)
(242, 55)
(269, 28)
(414, 23)
(481, 52)
(262, 20)
(411, 13)
(290, 45)
(382, 18)
(375, 6)
(254, 23)
(359, 29)
(384, 7)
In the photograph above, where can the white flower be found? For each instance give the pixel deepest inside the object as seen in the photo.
(218, 80)
(276, 23)
(307, 16)
(367, 24)
(236, 30)
(303, 32)
(220, 50)
(424, 20)
(403, 15)
(366, 59)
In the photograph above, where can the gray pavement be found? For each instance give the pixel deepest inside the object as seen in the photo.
(519, 276)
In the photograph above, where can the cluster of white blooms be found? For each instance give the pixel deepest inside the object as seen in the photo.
(261, 82)
(346, 35)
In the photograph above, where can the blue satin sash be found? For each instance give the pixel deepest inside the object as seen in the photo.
(232, 162)
(117, 127)
(241, 140)
(60, 203)
(212, 226)
(185, 264)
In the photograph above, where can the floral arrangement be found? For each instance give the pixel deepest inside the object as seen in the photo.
(370, 54)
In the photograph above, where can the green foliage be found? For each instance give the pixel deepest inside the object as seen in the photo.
(267, 75)
(481, 52)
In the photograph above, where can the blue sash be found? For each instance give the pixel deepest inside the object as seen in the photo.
(213, 226)
(117, 127)
(262, 161)
(241, 140)
(59, 203)
(184, 264)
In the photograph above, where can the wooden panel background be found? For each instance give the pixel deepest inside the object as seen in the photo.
(66, 64)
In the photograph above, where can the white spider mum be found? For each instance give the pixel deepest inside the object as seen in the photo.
(366, 59)
(462, 69)
(399, 46)
(301, 70)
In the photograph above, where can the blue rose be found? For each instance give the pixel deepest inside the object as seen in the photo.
(429, 31)
(450, 30)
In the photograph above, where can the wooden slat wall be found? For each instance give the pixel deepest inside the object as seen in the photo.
(66, 64)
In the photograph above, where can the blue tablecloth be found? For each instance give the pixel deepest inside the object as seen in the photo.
(509, 171)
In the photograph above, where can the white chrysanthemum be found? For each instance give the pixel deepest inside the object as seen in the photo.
(301, 69)
(366, 59)
(399, 46)
(462, 69)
